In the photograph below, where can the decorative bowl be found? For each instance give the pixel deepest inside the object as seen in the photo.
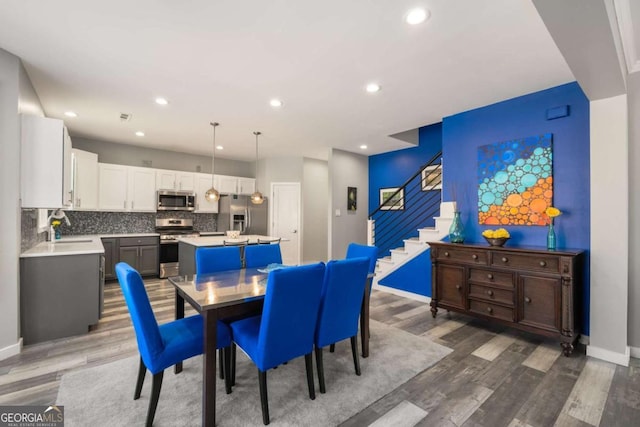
(497, 241)
(233, 234)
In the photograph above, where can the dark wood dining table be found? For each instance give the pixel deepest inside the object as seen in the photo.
(229, 294)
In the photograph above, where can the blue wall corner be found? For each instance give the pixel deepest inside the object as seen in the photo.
(414, 276)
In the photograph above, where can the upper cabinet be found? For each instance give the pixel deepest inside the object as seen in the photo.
(235, 185)
(45, 163)
(175, 180)
(84, 182)
(126, 188)
(203, 183)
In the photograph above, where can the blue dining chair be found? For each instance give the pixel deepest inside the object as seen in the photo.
(342, 291)
(356, 250)
(262, 255)
(285, 330)
(161, 346)
(220, 258)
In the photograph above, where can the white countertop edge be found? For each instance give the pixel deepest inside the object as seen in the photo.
(76, 245)
(219, 240)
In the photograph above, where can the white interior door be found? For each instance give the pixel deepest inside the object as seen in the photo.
(285, 219)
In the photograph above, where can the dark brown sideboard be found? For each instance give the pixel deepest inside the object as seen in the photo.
(532, 289)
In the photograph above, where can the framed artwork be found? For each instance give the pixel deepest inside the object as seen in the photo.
(432, 178)
(515, 181)
(352, 198)
(390, 200)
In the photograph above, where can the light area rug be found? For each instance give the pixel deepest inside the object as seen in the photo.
(103, 395)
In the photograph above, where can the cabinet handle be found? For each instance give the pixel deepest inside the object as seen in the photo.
(543, 264)
(527, 300)
(490, 293)
(446, 254)
(132, 202)
(79, 202)
(125, 204)
(489, 310)
(490, 276)
(458, 287)
(505, 259)
(474, 256)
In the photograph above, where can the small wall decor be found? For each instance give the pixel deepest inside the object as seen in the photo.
(432, 178)
(352, 198)
(390, 200)
(515, 181)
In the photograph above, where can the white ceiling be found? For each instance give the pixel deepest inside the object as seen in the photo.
(224, 60)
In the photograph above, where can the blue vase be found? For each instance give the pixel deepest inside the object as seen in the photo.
(551, 238)
(58, 233)
(456, 231)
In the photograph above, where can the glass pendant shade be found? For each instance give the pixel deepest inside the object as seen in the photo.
(212, 195)
(257, 198)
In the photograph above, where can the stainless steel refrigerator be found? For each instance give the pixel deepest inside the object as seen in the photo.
(236, 212)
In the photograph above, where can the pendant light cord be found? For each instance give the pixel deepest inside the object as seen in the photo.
(213, 151)
(256, 134)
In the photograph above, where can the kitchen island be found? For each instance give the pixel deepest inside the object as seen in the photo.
(188, 245)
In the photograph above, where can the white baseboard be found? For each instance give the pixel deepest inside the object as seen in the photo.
(635, 352)
(11, 350)
(401, 293)
(609, 356)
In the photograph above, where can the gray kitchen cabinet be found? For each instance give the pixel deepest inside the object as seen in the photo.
(60, 296)
(140, 253)
(110, 257)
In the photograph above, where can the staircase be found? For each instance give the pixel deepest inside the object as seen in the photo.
(416, 245)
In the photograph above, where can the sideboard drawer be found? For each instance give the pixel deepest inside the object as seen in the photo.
(526, 262)
(491, 294)
(491, 277)
(467, 256)
(492, 310)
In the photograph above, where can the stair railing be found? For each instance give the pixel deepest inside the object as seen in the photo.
(412, 206)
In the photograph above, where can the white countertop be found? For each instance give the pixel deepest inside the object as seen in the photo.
(219, 240)
(76, 245)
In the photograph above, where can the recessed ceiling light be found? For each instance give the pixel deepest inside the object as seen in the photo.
(417, 16)
(161, 101)
(363, 147)
(373, 87)
(70, 114)
(139, 133)
(275, 103)
(219, 147)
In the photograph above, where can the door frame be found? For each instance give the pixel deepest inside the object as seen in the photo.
(299, 225)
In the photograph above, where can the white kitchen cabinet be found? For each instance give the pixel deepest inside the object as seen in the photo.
(174, 180)
(203, 183)
(126, 188)
(227, 184)
(45, 163)
(246, 186)
(84, 180)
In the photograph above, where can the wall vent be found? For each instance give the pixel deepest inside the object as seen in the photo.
(125, 117)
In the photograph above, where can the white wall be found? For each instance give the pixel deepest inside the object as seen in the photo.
(633, 91)
(347, 170)
(609, 230)
(315, 198)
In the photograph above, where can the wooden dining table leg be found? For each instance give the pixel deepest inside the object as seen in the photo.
(364, 319)
(179, 315)
(210, 319)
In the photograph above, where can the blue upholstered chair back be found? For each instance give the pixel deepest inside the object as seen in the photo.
(342, 293)
(262, 255)
(211, 260)
(150, 343)
(355, 250)
(289, 315)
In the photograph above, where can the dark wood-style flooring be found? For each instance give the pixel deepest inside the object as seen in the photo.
(495, 376)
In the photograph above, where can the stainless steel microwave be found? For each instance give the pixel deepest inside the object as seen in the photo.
(176, 200)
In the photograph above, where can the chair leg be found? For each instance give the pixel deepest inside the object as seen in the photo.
(332, 348)
(141, 373)
(354, 350)
(221, 358)
(227, 369)
(320, 367)
(264, 399)
(308, 362)
(233, 363)
(156, 385)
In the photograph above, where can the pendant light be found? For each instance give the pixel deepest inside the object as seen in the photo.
(212, 195)
(256, 197)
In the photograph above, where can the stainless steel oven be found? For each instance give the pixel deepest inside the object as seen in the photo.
(176, 200)
(170, 229)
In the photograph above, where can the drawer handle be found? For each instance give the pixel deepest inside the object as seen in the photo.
(458, 287)
(489, 310)
(527, 300)
(490, 276)
(446, 254)
(543, 264)
(490, 293)
(474, 256)
(505, 259)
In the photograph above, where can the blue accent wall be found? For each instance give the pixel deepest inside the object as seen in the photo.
(414, 276)
(516, 118)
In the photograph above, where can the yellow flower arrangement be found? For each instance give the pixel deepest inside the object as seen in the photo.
(500, 233)
(551, 213)
(55, 223)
